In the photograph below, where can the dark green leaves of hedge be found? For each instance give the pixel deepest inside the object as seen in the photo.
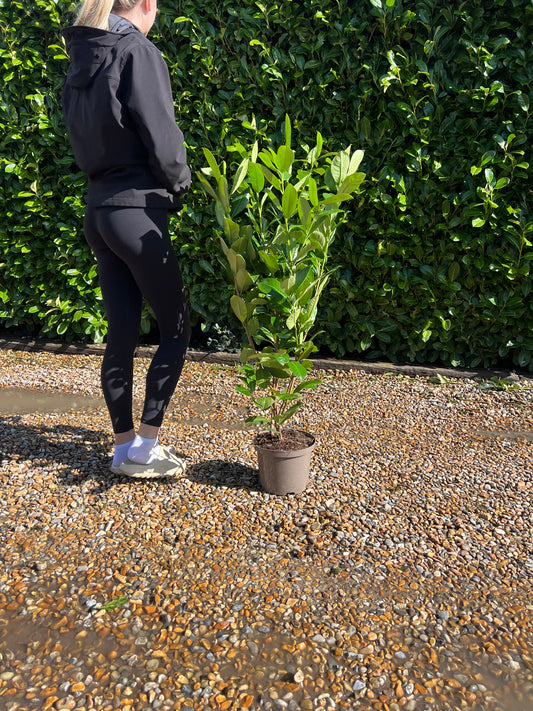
(435, 264)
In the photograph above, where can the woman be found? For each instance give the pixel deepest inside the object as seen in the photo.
(120, 118)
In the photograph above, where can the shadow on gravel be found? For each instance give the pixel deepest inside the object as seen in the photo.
(73, 454)
(220, 473)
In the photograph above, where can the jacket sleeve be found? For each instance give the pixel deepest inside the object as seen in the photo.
(151, 108)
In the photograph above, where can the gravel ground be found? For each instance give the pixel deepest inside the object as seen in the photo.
(401, 579)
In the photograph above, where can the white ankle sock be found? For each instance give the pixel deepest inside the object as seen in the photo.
(121, 453)
(143, 450)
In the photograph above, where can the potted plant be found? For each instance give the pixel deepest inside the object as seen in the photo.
(278, 220)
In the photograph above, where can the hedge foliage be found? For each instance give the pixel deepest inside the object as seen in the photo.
(434, 266)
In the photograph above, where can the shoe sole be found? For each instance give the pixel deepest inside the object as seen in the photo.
(166, 465)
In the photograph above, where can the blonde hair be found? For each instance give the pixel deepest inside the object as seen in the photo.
(95, 13)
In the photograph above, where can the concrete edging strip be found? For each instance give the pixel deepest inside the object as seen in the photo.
(21, 344)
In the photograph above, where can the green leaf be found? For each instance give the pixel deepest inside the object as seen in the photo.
(289, 201)
(308, 348)
(246, 354)
(235, 260)
(272, 179)
(284, 158)
(239, 307)
(340, 166)
(268, 156)
(243, 279)
(115, 603)
(304, 211)
(270, 261)
(273, 360)
(271, 286)
(288, 397)
(256, 176)
(244, 390)
(319, 144)
(256, 420)
(351, 183)
(264, 378)
(284, 417)
(501, 183)
(453, 271)
(240, 175)
(287, 131)
(524, 358)
(355, 161)
(292, 318)
(297, 369)
(337, 199)
(222, 193)
(264, 403)
(212, 164)
(523, 102)
(308, 385)
(231, 229)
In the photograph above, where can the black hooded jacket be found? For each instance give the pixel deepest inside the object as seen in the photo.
(119, 112)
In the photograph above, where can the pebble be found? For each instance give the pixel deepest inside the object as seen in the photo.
(400, 579)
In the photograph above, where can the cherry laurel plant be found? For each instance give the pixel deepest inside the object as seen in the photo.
(278, 220)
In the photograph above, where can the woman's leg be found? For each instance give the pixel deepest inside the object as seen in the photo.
(140, 239)
(123, 302)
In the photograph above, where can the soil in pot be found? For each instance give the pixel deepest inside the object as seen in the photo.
(289, 440)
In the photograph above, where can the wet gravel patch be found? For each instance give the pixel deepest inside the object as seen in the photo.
(401, 579)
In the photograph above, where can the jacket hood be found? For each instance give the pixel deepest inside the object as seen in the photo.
(89, 49)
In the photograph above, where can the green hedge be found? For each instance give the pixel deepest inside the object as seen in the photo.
(434, 266)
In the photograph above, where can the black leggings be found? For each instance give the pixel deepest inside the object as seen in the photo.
(135, 260)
